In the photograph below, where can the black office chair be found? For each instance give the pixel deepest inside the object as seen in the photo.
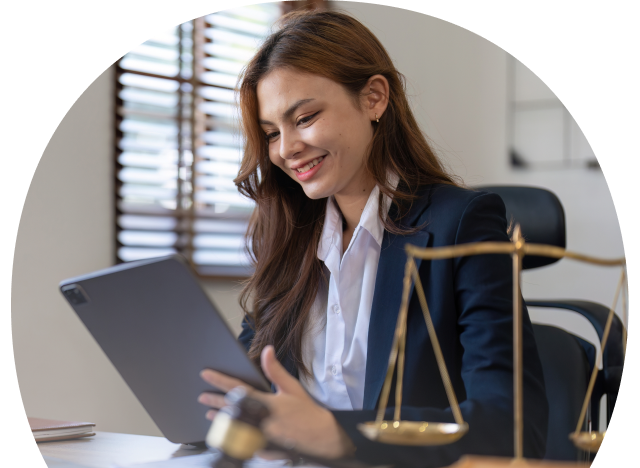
(567, 360)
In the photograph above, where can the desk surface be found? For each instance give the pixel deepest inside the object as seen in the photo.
(107, 448)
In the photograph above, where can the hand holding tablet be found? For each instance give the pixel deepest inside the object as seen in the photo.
(295, 419)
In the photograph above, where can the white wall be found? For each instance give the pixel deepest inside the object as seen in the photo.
(457, 81)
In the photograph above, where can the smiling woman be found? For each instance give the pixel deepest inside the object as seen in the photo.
(321, 142)
(345, 76)
(343, 178)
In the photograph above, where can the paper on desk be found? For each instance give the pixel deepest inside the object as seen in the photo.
(205, 460)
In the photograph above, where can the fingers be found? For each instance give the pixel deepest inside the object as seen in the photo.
(212, 400)
(211, 414)
(277, 374)
(221, 381)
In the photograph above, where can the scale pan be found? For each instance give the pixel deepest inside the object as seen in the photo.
(413, 432)
(589, 441)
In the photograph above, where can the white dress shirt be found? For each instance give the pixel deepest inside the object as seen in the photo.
(334, 346)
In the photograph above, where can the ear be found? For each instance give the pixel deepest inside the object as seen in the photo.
(376, 96)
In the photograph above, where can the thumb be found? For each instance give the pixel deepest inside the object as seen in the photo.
(277, 374)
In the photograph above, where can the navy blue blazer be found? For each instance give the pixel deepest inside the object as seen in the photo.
(470, 301)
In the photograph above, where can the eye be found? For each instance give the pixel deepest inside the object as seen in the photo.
(270, 136)
(307, 119)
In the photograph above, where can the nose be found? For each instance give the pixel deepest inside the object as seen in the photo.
(290, 144)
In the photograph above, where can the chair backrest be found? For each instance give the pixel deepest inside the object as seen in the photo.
(566, 370)
(540, 215)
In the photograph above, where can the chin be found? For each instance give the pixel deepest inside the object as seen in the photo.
(316, 193)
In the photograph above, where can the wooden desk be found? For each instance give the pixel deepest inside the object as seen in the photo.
(107, 448)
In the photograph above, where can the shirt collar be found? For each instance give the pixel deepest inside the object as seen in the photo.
(369, 220)
(331, 229)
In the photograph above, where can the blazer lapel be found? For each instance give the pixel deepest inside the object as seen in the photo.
(386, 300)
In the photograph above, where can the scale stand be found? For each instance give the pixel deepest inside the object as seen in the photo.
(435, 433)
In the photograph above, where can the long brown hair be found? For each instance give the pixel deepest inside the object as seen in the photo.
(285, 229)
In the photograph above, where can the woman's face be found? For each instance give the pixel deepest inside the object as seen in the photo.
(315, 131)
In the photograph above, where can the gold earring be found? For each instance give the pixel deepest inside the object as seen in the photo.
(377, 119)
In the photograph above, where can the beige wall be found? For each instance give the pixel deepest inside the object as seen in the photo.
(457, 82)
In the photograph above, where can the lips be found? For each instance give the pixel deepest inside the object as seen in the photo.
(310, 169)
(307, 167)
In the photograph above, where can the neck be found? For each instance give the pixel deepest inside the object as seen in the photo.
(352, 202)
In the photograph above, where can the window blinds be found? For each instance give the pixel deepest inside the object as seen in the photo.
(178, 149)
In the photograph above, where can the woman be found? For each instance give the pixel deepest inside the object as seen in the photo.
(343, 178)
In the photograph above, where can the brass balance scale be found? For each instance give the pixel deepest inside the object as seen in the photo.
(437, 433)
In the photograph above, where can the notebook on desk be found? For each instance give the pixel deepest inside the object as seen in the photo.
(48, 430)
(160, 330)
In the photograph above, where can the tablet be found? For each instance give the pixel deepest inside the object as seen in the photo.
(159, 329)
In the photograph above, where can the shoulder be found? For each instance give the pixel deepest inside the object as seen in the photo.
(454, 202)
(459, 199)
(460, 214)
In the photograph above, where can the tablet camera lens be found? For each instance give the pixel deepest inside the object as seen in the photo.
(75, 296)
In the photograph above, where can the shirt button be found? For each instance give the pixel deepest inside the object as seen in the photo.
(336, 308)
(334, 370)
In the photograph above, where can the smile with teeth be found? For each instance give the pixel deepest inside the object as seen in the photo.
(310, 165)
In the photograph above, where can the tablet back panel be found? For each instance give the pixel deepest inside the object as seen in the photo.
(159, 329)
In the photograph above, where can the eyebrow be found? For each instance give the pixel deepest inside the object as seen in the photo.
(289, 112)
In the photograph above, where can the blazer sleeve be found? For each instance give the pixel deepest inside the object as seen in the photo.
(483, 297)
